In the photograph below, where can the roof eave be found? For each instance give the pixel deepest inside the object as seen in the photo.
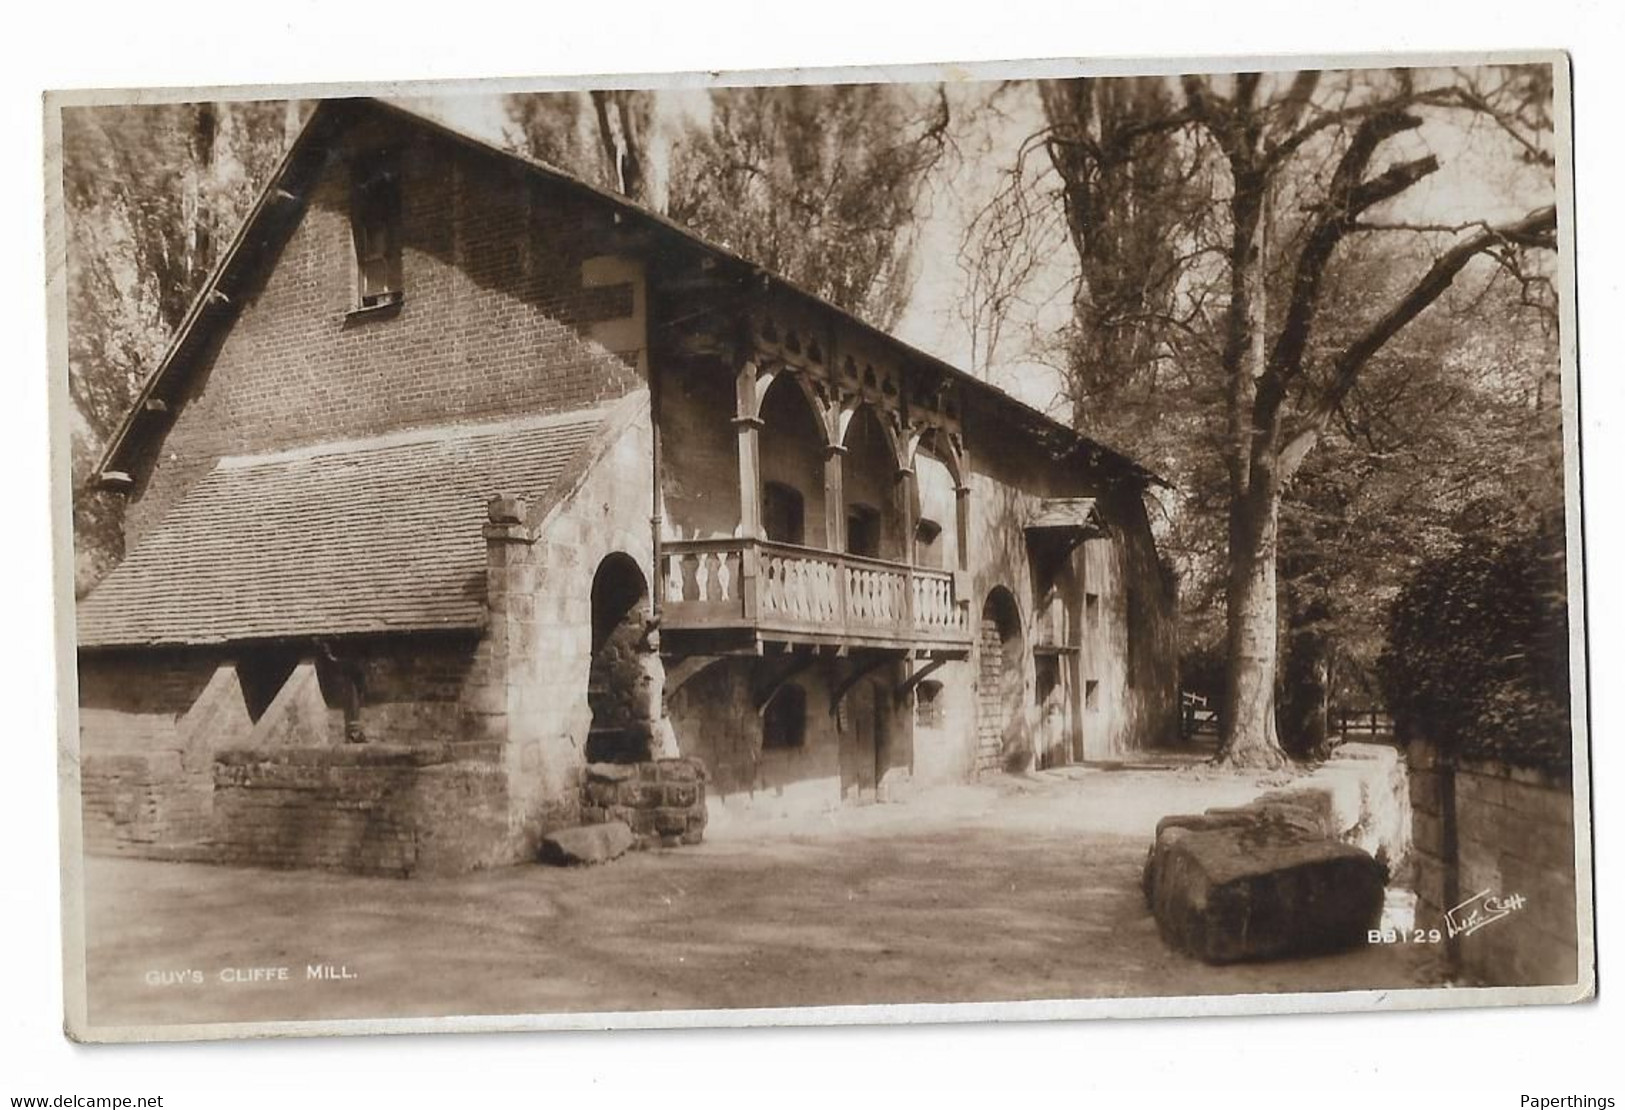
(112, 471)
(212, 298)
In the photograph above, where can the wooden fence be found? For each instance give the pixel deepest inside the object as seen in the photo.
(1199, 716)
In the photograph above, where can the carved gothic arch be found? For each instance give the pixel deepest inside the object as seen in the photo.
(817, 403)
(901, 452)
(942, 447)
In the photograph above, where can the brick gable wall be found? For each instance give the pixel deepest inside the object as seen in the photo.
(496, 321)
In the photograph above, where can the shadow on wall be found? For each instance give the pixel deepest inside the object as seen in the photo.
(766, 733)
(1151, 652)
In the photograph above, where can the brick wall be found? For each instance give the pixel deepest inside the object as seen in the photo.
(496, 320)
(147, 724)
(371, 808)
(142, 804)
(154, 726)
(1482, 825)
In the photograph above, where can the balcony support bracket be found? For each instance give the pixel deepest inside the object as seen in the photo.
(860, 670)
(919, 676)
(679, 670)
(763, 692)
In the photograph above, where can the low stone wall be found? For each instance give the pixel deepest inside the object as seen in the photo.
(1364, 789)
(373, 809)
(143, 804)
(1488, 830)
(662, 800)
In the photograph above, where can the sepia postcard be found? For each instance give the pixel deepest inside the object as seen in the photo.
(1000, 542)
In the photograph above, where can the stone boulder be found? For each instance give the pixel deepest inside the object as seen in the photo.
(587, 844)
(1260, 883)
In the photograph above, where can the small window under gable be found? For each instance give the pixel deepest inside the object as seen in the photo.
(375, 224)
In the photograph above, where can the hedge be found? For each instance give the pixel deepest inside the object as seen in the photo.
(1477, 658)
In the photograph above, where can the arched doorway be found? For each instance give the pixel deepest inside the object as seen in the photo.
(1001, 738)
(620, 687)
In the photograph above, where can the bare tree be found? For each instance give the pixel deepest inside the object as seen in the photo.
(1298, 172)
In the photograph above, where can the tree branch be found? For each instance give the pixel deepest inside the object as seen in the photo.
(1347, 197)
(1536, 230)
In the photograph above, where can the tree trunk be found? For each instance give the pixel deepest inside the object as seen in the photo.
(1251, 615)
(1251, 627)
(1306, 684)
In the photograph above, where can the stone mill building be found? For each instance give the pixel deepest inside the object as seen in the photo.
(462, 475)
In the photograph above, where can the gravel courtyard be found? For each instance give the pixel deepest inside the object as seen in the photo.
(1017, 889)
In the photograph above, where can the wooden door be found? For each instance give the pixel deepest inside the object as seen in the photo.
(1053, 696)
(862, 740)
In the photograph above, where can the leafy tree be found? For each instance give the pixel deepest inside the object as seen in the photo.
(152, 194)
(821, 184)
(1478, 655)
(1460, 409)
(602, 136)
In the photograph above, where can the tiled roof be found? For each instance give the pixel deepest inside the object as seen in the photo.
(379, 535)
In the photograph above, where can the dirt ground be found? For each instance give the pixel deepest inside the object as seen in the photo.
(1019, 889)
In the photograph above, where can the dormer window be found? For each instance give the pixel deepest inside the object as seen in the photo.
(375, 222)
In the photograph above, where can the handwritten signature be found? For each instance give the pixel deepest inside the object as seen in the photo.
(1480, 910)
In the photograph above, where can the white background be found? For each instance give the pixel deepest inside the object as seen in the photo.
(1482, 1058)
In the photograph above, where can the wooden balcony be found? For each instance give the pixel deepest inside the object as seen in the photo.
(742, 594)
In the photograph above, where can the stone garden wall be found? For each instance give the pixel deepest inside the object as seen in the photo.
(1497, 838)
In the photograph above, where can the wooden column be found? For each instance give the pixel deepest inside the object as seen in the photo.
(835, 519)
(903, 499)
(747, 424)
(962, 525)
(904, 496)
(834, 497)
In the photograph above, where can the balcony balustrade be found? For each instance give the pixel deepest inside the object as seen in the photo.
(778, 592)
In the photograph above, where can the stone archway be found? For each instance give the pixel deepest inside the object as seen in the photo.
(1001, 734)
(622, 688)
